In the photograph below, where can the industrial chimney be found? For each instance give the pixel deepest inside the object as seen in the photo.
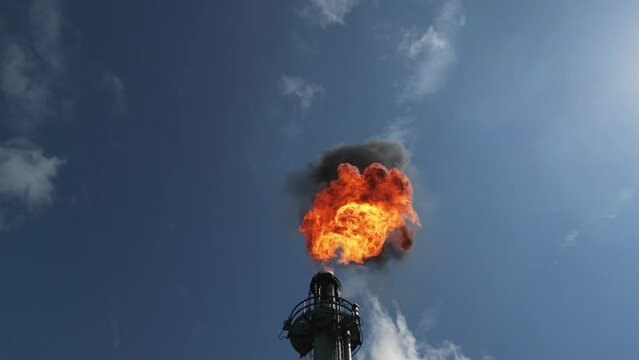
(324, 322)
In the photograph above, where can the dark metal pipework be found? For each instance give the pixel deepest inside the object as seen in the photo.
(324, 322)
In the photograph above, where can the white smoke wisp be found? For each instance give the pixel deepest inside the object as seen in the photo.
(389, 338)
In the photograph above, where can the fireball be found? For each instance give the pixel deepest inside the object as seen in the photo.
(357, 214)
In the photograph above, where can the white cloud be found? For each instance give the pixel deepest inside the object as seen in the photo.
(45, 18)
(414, 45)
(625, 195)
(428, 319)
(391, 339)
(116, 87)
(328, 12)
(25, 86)
(35, 85)
(431, 52)
(304, 91)
(33, 74)
(570, 240)
(26, 175)
(31, 70)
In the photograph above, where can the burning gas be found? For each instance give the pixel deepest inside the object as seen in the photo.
(358, 213)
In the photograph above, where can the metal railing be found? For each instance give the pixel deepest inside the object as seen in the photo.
(346, 313)
(319, 304)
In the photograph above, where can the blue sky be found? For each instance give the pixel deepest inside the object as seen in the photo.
(145, 147)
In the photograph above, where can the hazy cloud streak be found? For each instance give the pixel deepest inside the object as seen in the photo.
(115, 86)
(328, 12)
(625, 195)
(299, 88)
(570, 240)
(45, 18)
(31, 71)
(400, 130)
(26, 88)
(430, 53)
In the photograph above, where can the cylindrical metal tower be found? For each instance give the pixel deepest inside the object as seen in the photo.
(324, 322)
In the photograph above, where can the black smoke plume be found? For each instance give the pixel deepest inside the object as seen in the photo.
(320, 173)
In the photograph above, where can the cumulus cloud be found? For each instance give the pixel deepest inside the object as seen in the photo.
(429, 53)
(328, 12)
(299, 88)
(26, 175)
(391, 339)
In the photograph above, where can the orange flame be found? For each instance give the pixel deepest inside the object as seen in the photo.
(358, 212)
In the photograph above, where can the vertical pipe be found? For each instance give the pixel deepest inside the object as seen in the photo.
(325, 347)
(347, 345)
